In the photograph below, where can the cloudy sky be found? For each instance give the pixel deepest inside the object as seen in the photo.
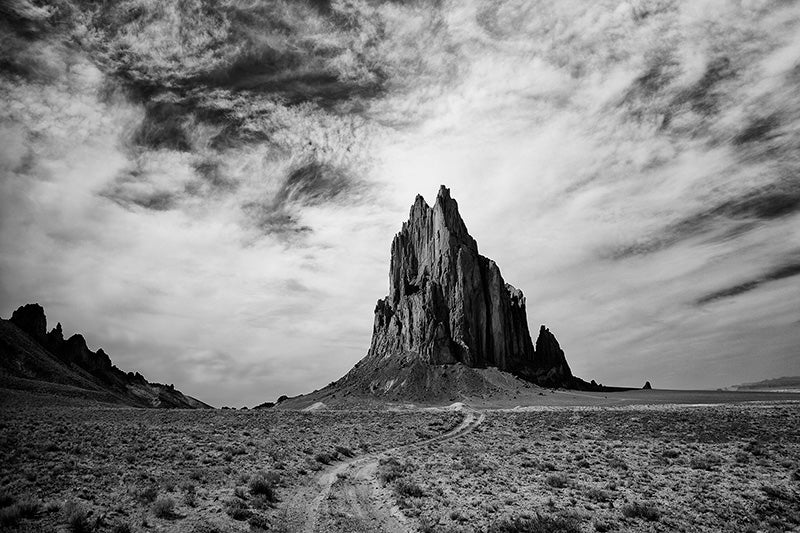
(208, 189)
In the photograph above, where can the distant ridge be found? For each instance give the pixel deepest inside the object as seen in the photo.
(782, 384)
(451, 327)
(35, 360)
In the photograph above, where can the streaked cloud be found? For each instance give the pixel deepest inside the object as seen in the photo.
(219, 187)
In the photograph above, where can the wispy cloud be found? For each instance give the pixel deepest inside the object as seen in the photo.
(219, 186)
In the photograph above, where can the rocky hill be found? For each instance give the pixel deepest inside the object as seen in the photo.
(782, 384)
(449, 316)
(35, 360)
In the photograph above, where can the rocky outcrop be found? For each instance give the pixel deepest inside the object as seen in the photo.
(448, 304)
(74, 350)
(28, 351)
(551, 363)
(30, 318)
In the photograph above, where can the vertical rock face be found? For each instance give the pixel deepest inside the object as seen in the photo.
(448, 304)
(550, 358)
(30, 318)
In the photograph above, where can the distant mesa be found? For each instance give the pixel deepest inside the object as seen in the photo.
(35, 360)
(782, 384)
(449, 316)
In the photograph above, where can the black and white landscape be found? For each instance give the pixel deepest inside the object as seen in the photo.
(589, 214)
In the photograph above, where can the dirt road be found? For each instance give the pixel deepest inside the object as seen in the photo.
(348, 497)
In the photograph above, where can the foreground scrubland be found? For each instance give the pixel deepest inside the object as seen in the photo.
(108, 469)
(659, 468)
(729, 467)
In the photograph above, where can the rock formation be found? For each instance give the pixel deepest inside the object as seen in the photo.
(30, 319)
(647, 386)
(448, 304)
(29, 352)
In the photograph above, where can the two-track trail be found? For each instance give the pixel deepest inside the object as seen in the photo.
(348, 497)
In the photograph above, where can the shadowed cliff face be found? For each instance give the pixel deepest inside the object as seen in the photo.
(449, 304)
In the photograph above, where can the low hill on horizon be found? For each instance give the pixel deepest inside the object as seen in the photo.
(781, 384)
(37, 361)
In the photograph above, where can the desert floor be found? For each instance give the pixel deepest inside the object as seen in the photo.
(714, 464)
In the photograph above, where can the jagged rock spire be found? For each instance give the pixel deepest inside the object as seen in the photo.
(447, 303)
(30, 318)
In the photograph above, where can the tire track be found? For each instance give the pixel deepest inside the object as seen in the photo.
(348, 496)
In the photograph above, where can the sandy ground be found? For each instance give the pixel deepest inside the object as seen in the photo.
(576, 462)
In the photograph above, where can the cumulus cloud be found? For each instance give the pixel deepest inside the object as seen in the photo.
(211, 192)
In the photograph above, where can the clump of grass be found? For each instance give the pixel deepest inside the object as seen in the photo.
(164, 507)
(537, 524)
(121, 527)
(325, 458)
(391, 469)
(777, 493)
(547, 466)
(12, 513)
(263, 484)
(756, 448)
(558, 481)
(342, 450)
(742, 457)
(237, 509)
(617, 462)
(28, 508)
(77, 517)
(189, 494)
(603, 527)
(409, 489)
(643, 510)
(598, 495)
(147, 495)
(707, 462)
(260, 501)
(258, 523)
(6, 499)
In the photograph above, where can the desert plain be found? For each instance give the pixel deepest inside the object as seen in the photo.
(553, 461)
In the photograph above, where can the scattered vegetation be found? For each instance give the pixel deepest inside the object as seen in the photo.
(147, 495)
(391, 469)
(164, 507)
(237, 509)
(408, 489)
(344, 451)
(558, 481)
(609, 470)
(536, 524)
(263, 484)
(645, 511)
(122, 527)
(77, 517)
(11, 513)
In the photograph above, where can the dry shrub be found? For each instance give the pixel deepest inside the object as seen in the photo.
(643, 510)
(164, 507)
(537, 524)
